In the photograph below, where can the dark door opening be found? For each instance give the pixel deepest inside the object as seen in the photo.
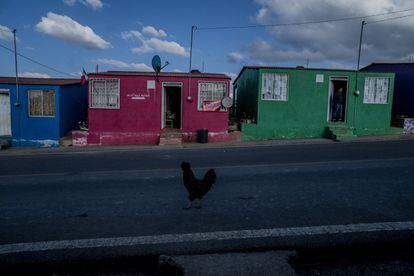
(172, 109)
(337, 99)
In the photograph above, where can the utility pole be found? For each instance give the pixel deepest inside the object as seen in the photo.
(360, 43)
(17, 103)
(356, 92)
(193, 28)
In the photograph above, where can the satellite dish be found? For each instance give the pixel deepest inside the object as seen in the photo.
(156, 63)
(227, 102)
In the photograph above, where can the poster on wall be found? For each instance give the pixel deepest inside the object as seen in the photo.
(211, 105)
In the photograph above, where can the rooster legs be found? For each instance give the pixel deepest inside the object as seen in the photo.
(189, 205)
(198, 204)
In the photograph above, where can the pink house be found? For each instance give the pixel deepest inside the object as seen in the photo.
(141, 108)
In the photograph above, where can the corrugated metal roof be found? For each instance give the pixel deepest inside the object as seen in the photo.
(39, 81)
(163, 74)
(388, 65)
(290, 68)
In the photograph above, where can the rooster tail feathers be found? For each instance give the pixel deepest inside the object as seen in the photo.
(210, 176)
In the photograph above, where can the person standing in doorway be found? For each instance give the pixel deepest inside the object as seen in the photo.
(338, 99)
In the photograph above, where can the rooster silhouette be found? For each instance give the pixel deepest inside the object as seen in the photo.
(197, 188)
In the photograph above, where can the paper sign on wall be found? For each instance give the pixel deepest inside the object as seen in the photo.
(150, 84)
(319, 78)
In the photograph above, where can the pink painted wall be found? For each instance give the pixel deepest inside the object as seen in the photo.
(138, 121)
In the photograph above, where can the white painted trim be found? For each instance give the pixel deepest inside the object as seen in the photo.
(171, 84)
(6, 128)
(309, 231)
(330, 94)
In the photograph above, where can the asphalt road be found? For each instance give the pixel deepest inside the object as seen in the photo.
(80, 195)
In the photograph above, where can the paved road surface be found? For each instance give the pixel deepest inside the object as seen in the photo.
(133, 193)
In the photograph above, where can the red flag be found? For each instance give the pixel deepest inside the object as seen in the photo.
(84, 76)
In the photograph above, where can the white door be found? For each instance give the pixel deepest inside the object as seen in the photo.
(5, 118)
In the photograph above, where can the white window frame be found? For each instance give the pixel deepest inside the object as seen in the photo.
(43, 91)
(263, 88)
(366, 99)
(200, 104)
(117, 94)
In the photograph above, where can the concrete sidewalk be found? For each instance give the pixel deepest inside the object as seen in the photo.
(242, 264)
(189, 146)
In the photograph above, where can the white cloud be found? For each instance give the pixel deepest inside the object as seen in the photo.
(65, 28)
(152, 41)
(121, 64)
(332, 43)
(130, 35)
(162, 46)
(6, 33)
(235, 57)
(34, 75)
(151, 31)
(93, 4)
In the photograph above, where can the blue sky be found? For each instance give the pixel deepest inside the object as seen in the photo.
(124, 35)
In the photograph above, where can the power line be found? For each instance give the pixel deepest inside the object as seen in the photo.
(391, 18)
(34, 61)
(302, 23)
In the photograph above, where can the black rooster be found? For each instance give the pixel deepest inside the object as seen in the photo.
(197, 188)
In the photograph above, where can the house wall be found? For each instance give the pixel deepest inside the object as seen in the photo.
(138, 120)
(404, 86)
(247, 95)
(304, 115)
(373, 119)
(73, 103)
(32, 131)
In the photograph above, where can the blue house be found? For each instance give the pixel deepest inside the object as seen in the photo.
(41, 111)
(403, 101)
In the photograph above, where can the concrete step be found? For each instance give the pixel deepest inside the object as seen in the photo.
(171, 135)
(170, 141)
(340, 133)
(66, 141)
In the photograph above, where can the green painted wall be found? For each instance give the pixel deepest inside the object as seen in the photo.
(305, 113)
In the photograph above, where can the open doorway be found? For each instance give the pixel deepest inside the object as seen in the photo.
(338, 91)
(172, 106)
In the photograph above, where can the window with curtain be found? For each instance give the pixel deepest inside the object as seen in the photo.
(274, 87)
(105, 93)
(42, 103)
(376, 90)
(211, 92)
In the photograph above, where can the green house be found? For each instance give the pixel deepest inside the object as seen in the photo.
(285, 103)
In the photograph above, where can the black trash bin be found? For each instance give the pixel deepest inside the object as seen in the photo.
(202, 135)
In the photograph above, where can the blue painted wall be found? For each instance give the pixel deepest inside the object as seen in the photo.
(403, 85)
(44, 131)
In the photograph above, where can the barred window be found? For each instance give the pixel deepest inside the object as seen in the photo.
(274, 87)
(105, 93)
(211, 92)
(42, 103)
(376, 90)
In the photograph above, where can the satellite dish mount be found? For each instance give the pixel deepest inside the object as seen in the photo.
(156, 65)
